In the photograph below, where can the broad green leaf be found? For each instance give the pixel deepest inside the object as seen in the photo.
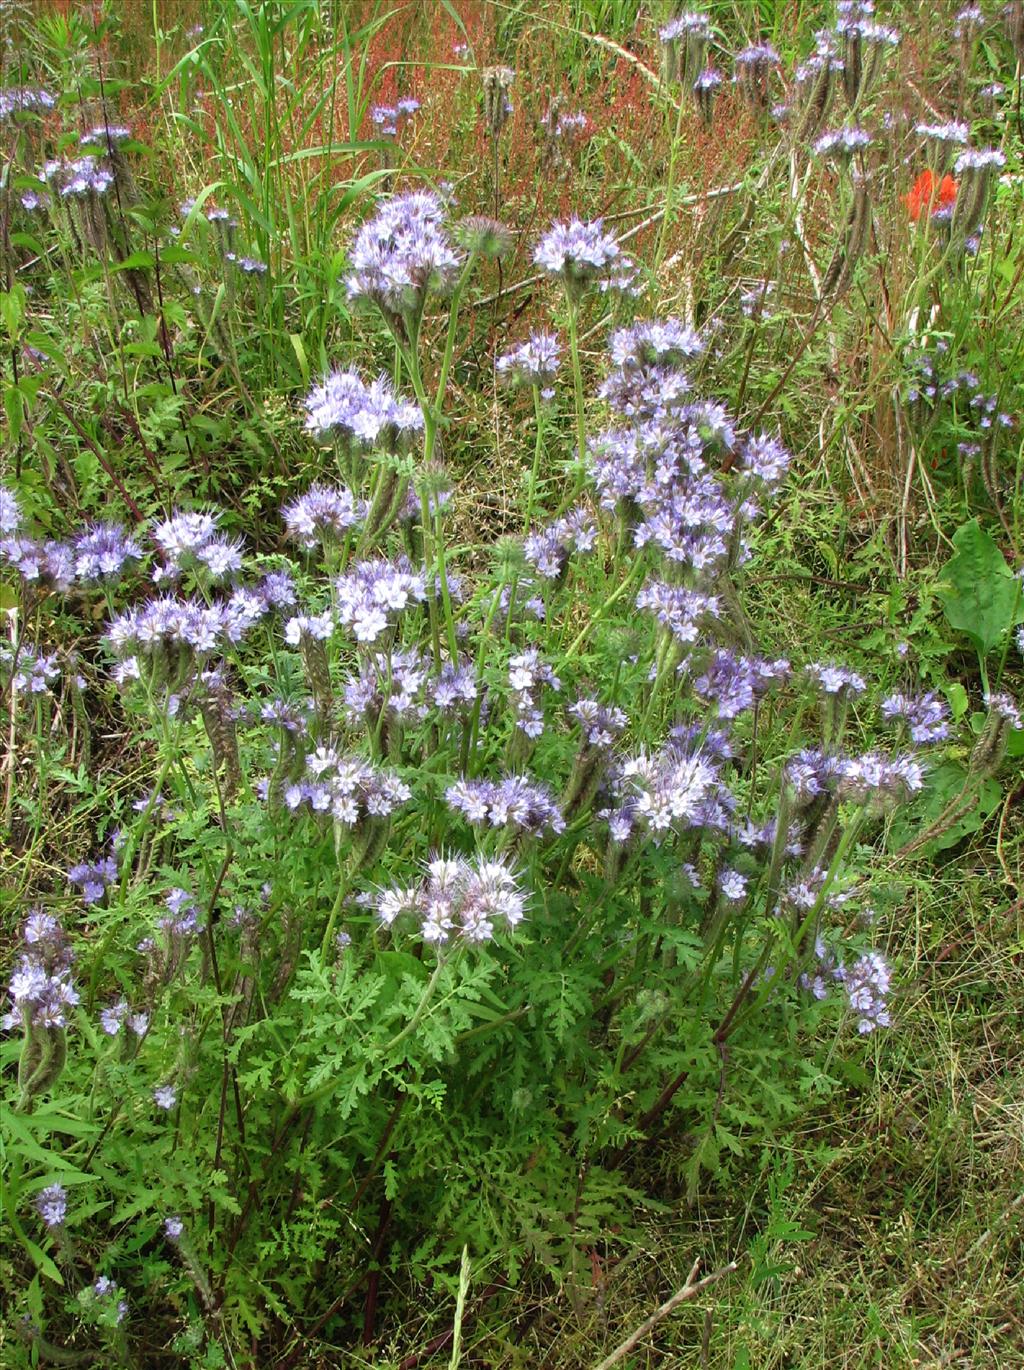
(956, 696)
(980, 594)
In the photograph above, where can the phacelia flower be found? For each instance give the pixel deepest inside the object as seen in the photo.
(400, 255)
(94, 878)
(40, 986)
(52, 1205)
(103, 134)
(322, 515)
(458, 900)
(836, 680)
(373, 590)
(10, 511)
(842, 143)
(549, 550)
(192, 542)
(515, 802)
(733, 885)
(103, 553)
(601, 725)
(534, 362)
(925, 716)
(583, 254)
(24, 99)
(664, 342)
(345, 407)
(867, 984)
(347, 788)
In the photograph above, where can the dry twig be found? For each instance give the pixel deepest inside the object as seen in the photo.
(689, 1291)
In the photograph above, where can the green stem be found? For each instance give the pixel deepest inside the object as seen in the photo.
(421, 1009)
(538, 450)
(670, 185)
(577, 379)
(344, 885)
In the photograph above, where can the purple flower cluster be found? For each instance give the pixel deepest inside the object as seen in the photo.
(708, 81)
(394, 681)
(758, 57)
(600, 725)
(117, 1015)
(322, 516)
(34, 673)
(664, 792)
(166, 634)
(24, 99)
(345, 408)
(1005, 708)
(967, 21)
(653, 470)
(387, 118)
(10, 511)
(41, 988)
(527, 674)
(82, 176)
(734, 683)
(953, 132)
(104, 135)
(826, 969)
(685, 24)
(47, 564)
(94, 878)
(809, 774)
(182, 918)
(836, 680)
(347, 788)
(373, 589)
(979, 159)
(667, 342)
(400, 255)
(454, 687)
(103, 553)
(192, 542)
(765, 458)
(583, 254)
(733, 885)
(248, 266)
(683, 612)
(876, 779)
(458, 900)
(107, 1293)
(51, 1204)
(559, 124)
(929, 385)
(534, 362)
(549, 550)
(925, 716)
(318, 627)
(868, 982)
(514, 801)
(842, 143)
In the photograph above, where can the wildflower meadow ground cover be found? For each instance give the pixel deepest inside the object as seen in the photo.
(512, 583)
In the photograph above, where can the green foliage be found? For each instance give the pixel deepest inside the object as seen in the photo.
(981, 596)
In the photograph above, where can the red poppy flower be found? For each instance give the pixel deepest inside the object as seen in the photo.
(927, 196)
